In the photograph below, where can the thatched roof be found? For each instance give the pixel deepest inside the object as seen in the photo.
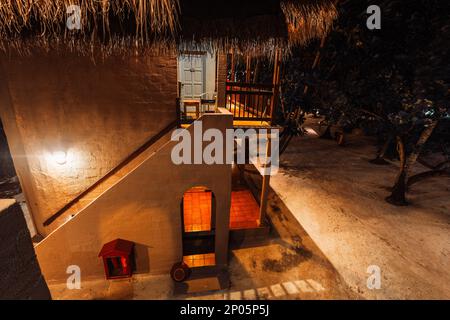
(251, 26)
(308, 19)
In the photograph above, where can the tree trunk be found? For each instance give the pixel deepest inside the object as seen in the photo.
(285, 144)
(380, 156)
(327, 133)
(398, 195)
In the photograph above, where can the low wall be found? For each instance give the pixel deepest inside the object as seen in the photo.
(143, 207)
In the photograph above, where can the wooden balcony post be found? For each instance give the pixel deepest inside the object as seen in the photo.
(265, 182)
(221, 79)
(275, 82)
(233, 66)
(248, 68)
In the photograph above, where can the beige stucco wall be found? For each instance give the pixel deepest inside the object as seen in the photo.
(144, 207)
(97, 111)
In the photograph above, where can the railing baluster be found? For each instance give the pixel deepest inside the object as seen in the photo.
(258, 102)
(246, 104)
(252, 100)
(240, 104)
(234, 105)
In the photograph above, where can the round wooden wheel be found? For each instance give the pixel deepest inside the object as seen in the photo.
(180, 272)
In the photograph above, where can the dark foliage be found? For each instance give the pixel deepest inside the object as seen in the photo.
(397, 77)
(392, 82)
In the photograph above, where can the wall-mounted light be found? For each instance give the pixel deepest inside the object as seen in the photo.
(60, 157)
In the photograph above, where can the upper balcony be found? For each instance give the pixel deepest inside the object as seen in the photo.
(206, 83)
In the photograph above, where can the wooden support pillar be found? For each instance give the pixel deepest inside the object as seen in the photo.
(256, 73)
(233, 67)
(248, 69)
(221, 79)
(275, 82)
(265, 182)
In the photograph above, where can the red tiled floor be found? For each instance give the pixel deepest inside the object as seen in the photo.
(200, 260)
(244, 210)
(197, 210)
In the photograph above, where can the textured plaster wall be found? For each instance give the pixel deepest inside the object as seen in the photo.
(144, 207)
(20, 275)
(97, 111)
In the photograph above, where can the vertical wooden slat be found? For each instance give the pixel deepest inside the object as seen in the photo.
(257, 106)
(239, 104)
(236, 104)
(248, 103)
(233, 99)
(260, 105)
(245, 104)
(231, 103)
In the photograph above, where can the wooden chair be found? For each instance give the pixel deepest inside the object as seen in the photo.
(192, 103)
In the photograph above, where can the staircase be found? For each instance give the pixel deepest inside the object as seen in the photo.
(92, 193)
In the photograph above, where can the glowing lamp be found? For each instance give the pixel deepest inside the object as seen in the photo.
(60, 157)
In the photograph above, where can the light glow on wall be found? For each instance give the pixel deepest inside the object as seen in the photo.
(63, 162)
(60, 157)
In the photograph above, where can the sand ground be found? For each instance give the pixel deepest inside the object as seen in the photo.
(338, 198)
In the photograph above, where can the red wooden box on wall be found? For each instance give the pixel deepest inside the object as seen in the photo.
(118, 258)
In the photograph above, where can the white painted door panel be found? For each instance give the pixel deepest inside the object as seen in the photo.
(192, 76)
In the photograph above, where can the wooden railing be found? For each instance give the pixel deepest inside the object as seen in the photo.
(249, 101)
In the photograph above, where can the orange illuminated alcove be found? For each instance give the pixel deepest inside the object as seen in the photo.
(198, 213)
(198, 217)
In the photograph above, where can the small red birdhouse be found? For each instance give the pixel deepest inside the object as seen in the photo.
(118, 258)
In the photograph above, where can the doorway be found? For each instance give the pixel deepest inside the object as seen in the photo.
(192, 75)
(198, 223)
